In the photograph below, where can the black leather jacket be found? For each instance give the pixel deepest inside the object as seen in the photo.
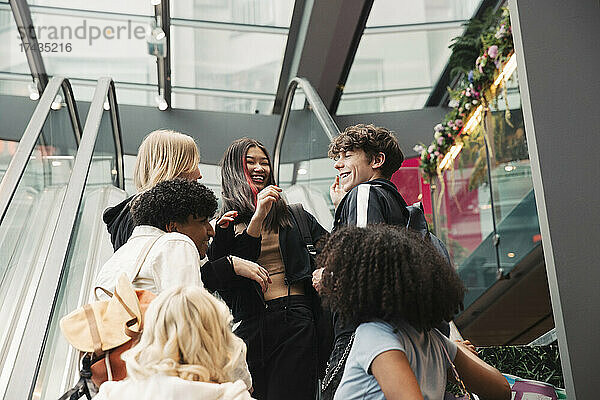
(378, 201)
(244, 296)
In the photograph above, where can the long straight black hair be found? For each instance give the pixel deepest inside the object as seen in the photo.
(238, 191)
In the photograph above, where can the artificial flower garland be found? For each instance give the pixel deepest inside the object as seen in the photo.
(475, 89)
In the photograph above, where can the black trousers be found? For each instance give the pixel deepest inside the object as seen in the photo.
(282, 353)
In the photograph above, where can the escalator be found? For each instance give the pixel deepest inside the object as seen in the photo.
(58, 182)
(52, 239)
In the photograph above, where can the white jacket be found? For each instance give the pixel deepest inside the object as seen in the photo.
(172, 261)
(161, 387)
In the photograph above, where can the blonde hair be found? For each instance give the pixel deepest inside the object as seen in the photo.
(163, 155)
(187, 333)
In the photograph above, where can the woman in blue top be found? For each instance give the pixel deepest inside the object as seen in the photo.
(398, 287)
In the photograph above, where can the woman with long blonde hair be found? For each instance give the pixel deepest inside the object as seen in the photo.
(163, 155)
(187, 351)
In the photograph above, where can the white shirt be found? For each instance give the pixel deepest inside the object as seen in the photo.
(172, 261)
(161, 387)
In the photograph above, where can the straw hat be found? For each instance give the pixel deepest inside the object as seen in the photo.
(101, 325)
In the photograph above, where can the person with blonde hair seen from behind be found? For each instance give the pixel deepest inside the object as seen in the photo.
(163, 155)
(186, 351)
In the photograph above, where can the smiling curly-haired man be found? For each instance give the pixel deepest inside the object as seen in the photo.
(170, 238)
(366, 157)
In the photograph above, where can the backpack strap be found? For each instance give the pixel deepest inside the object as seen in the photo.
(300, 216)
(142, 256)
(95, 333)
(138, 265)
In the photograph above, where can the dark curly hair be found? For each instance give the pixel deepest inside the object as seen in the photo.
(390, 273)
(372, 140)
(173, 201)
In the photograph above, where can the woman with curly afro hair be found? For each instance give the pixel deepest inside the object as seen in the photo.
(398, 288)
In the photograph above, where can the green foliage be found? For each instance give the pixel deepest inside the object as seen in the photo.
(491, 37)
(466, 48)
(539, 363)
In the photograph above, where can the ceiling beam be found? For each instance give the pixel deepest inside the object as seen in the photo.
(333, 29)
(293, 49)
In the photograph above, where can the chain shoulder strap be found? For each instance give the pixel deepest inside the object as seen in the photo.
(456, 376)
(339, 364)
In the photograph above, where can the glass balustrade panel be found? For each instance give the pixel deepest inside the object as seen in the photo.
(514, 201)
(306, 172)
(28, 226)
(463, 217)
(89, 248)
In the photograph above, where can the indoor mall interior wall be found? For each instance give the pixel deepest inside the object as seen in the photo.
(215, 130)
(559, 85)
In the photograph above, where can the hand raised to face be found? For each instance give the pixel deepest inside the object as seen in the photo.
(265, 200)
(336, 192)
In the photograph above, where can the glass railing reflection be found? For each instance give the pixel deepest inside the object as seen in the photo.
(488, 220)
(89, 248)
(28, 225)
(306, 172)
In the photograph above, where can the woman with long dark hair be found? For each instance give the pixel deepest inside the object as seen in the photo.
(278, 325)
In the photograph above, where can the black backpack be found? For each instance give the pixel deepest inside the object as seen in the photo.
(323, 317)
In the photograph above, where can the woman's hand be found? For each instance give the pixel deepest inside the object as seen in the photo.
(336, 192)
(264, 201)
(251, 270)
(317, 277)
(227, 218)
(467, 345)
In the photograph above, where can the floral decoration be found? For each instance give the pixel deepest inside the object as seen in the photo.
(475, 88)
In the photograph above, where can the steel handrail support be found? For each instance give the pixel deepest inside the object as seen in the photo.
(31, 349)
(317, 106)
(29, 42)
(30, 137)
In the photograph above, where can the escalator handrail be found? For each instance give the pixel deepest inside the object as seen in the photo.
(116, 128)
(30, 137)
(31, 350)
(318, 108)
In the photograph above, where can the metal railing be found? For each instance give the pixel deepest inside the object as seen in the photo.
(32, 134)
(28, 360)
(316, 105)
(116, 128)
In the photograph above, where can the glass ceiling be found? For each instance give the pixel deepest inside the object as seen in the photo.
(402, 53)
(227, 55)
